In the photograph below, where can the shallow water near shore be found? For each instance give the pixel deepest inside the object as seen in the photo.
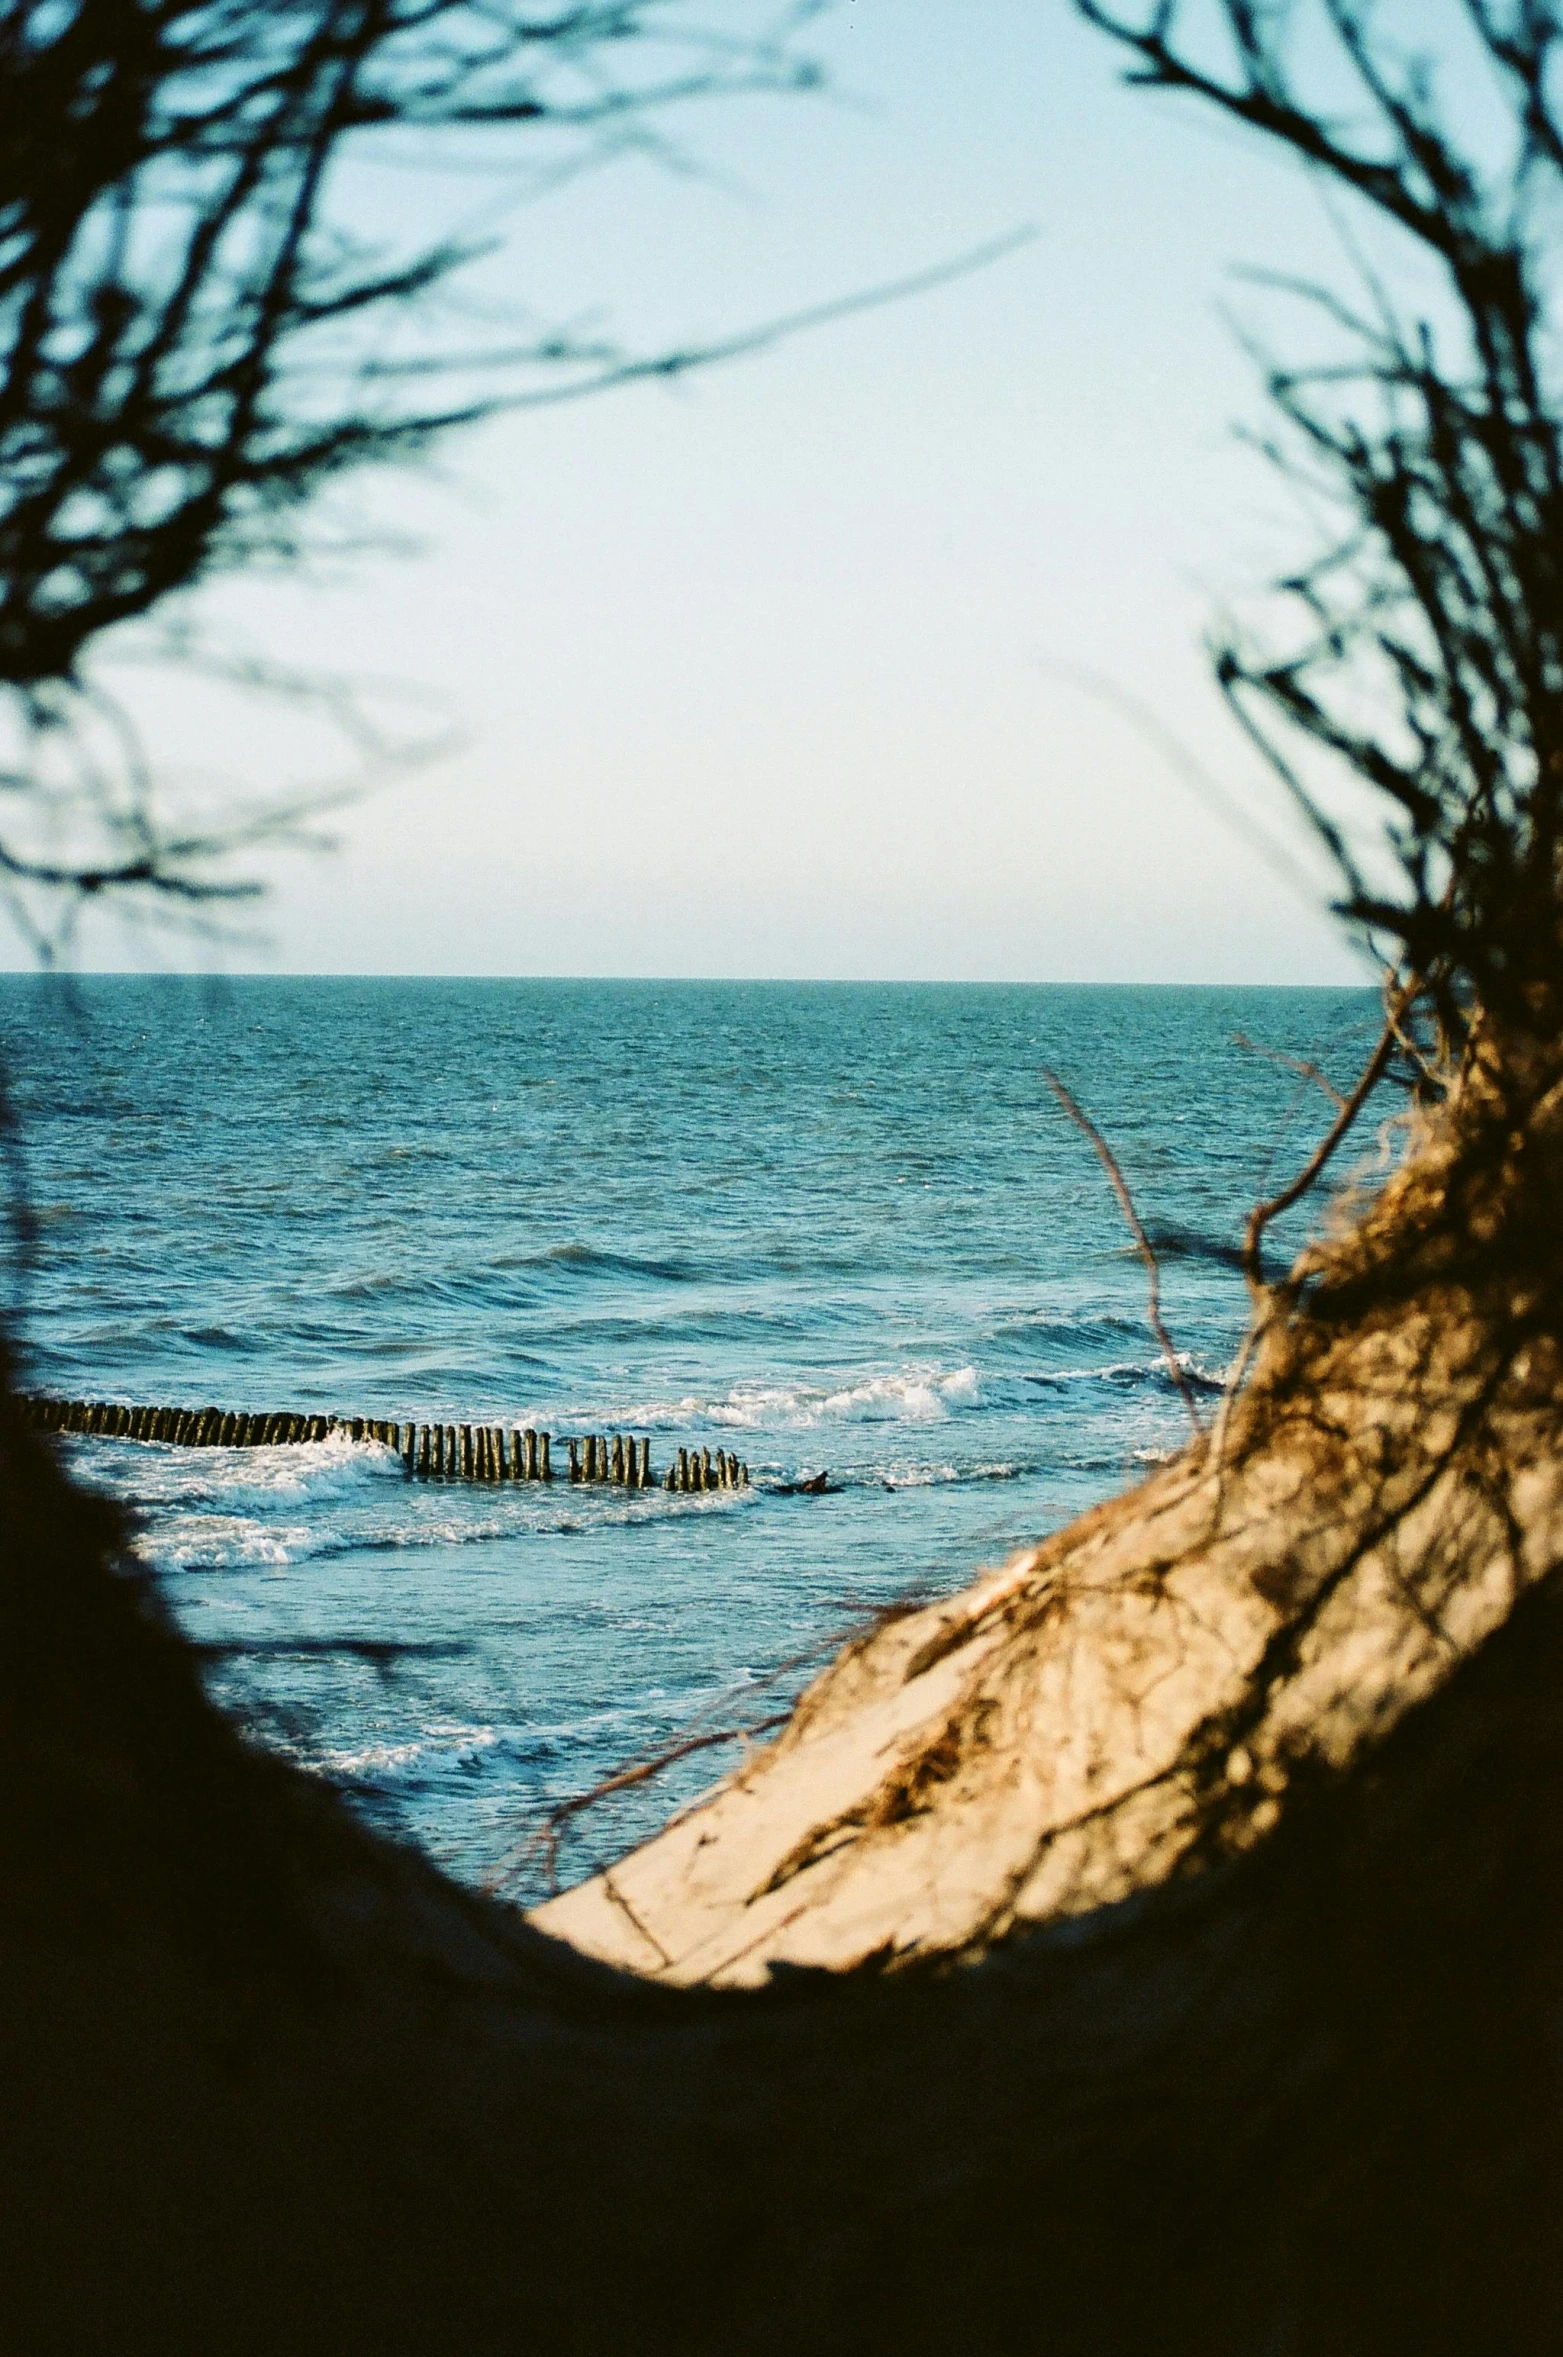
(829, 1227)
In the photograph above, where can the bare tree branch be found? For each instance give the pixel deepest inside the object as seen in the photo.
(1143, 1246)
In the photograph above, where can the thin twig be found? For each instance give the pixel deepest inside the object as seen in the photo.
(545, 1836)
(1298, 1064)
(1372, 1073)
(1109, 1162)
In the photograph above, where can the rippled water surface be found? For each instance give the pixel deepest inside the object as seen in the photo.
(838, 1228)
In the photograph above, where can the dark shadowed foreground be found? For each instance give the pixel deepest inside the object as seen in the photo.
(269, 2083)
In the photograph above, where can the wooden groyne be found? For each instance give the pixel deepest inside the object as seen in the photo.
(429, 1452)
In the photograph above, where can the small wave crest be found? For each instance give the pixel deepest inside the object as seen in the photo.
(447, 1745)
(590, 1260)
(1128, 1374)
(918, 1394)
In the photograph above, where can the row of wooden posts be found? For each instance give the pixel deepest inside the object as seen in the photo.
(429, 1452)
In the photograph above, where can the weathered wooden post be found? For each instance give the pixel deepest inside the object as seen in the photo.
(683, 1469)
(544, 1468)
(618, 1458)
(575, 1462)
(645, 1464)
(529, 1442)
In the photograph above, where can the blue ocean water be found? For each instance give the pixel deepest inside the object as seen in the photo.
(829, 1227)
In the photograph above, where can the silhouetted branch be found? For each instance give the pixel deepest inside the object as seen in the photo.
(1428, 658)
(1313, 1169)
(196, 340)
(543, 1841)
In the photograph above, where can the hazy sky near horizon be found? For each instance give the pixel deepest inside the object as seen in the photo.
(777, 670)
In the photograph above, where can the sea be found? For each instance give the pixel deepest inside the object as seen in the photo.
(834, 1229)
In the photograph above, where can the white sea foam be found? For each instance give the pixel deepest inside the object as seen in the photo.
(224, 1542)
(446, 1742)
(914, 1394)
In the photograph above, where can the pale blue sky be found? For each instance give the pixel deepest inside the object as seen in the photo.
(767, 673)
